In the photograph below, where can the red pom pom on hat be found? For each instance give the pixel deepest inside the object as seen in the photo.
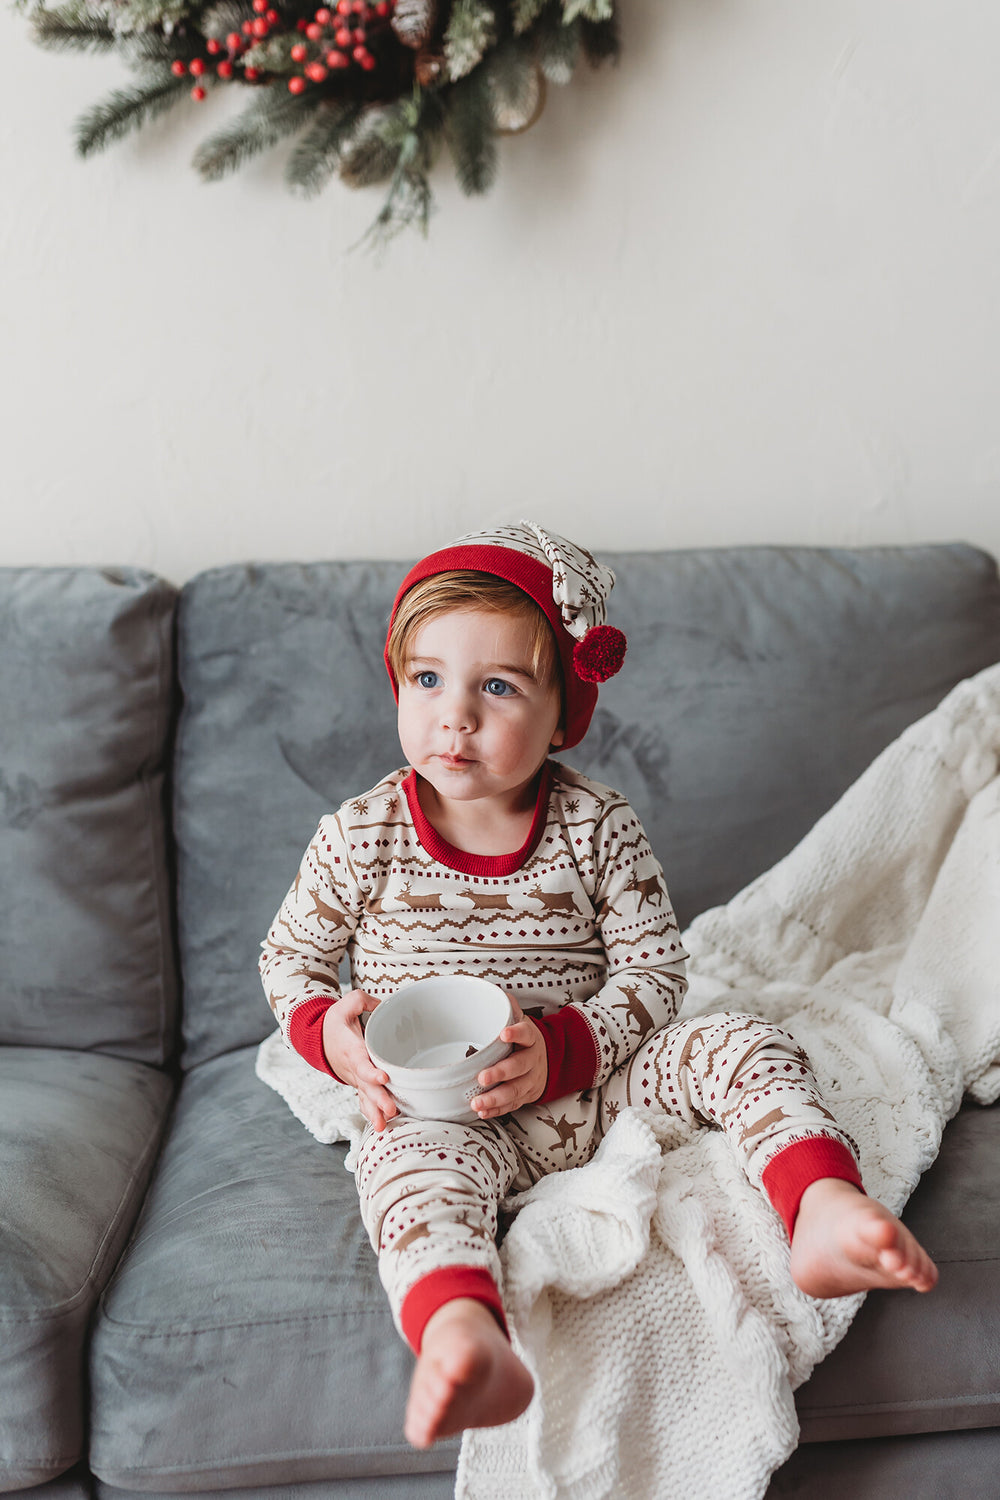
(600, 654)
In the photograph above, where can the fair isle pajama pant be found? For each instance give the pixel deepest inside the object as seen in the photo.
(430, 1190)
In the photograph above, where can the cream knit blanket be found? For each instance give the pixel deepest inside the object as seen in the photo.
(649, 1291)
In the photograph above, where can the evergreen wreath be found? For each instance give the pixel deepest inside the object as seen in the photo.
(372, 88)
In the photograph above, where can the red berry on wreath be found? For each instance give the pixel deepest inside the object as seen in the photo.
(259, 27)
(316, 72)
(233, 40)
(196, 67)
(213, 47)
(251, 74)
(247, 28)
(225, 70)
(337, 60)
(314, 32)
(342, 37)
(296, 85)
(299, 52)
(260, 6)
(198, 93)
(178, 68)
(383, 8)
(367, 61)
(324, 16)
(343, 7)
(360, 36)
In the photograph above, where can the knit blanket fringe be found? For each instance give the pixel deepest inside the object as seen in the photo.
(649, 1291)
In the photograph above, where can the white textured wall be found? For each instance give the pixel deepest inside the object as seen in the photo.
(742, 288)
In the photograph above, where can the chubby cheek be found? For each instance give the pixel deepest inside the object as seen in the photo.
(412, 732)
(514, 746)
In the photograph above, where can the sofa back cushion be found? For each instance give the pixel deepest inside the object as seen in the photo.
(86, 929)
(758, 684)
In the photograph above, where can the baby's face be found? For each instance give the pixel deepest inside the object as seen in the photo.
(473, 719)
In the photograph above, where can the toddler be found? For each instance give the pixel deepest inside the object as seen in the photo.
(485, 857)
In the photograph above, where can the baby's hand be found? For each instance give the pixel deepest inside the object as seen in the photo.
(344, 1045)
(521, 1077)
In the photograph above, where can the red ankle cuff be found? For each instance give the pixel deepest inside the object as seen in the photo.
(788, 1174)
(438, 1287)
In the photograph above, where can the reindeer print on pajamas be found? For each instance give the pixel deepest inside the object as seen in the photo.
(578, 920)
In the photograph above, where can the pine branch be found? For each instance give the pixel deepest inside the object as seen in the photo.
(227, 15)
(558, 47)
(53, 29)
(131, 16)
(587, 10)
(273, 55)
(408, 202)
(416, 127)
(317, 155)
(471, 133)
(141, 47)
(471, 32)
(372, 153)
(272, 116)
(125, 110)
(600, 41)
(517, 86)
(526, 13)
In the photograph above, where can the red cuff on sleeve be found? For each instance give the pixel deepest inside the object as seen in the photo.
(572, 1054)
(438, 1287)
(305, 1032)
(787, 1175)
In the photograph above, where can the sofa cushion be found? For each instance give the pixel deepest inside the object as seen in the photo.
(245, 1339)
(76, 1484)
(85, 893)
(78, 1137)
(940, 1466)
(750, 699)
(909, 1363)
(385, 1487)
(761, 681)
(287, 710)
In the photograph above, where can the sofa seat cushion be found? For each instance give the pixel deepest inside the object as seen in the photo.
(439, 1486)
(915, 1364)
(938, 1466)
(77, 1484)
(245, 1339)
(78, 1138)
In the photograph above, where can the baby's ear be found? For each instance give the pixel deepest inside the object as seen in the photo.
(557, 738)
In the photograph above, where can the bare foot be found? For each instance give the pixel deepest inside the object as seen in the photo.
(844, 1242)
(467, 1375)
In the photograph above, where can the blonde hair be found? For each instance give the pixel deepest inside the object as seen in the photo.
(464, 589)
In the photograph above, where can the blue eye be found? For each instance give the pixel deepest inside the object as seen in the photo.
(497, 688)
(427, 679)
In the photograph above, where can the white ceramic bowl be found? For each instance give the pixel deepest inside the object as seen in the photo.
(433, 1037)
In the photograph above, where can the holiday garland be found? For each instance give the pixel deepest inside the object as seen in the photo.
(371, 88)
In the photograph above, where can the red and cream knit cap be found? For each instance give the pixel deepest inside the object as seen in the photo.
(569, 586)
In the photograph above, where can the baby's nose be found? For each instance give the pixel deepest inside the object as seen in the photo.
(458, 714)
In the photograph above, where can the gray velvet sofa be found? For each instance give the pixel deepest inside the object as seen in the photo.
(188, 1304)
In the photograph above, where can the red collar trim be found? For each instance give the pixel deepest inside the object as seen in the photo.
(478, 864)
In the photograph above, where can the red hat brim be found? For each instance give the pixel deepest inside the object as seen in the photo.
(535, 579)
